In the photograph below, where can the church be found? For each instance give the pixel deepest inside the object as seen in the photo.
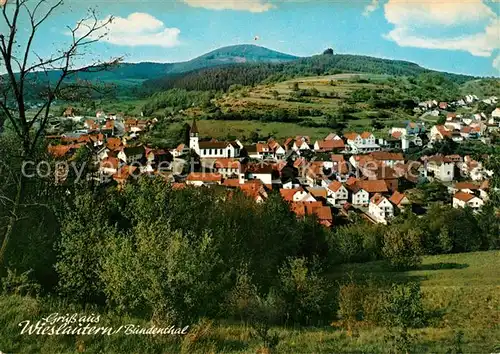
(212, 149)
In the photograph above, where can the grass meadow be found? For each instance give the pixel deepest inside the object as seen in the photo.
(461, 291)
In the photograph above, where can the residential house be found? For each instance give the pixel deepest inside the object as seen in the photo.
(337, 193)
(131, 154)
(358, 196)
(322, 213)
(109, 166)
(380, 208)
(387, 158)
(203, 179)
(276, 149)
(373, 186)
(359, 143)
(462, 199)
(474, 169)
(301, 143)
(296, 195)
(227, 167)
(440, 168)
(440, 132)
(126, 173)
(329, 145)
(260, 171)
(400, 200)
(259, 151)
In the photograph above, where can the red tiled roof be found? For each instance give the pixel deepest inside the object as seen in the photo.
(397, 198)
(377, 199)
(387, 156)
(204, 177)
(113, 143)
(375, 186)
(110, 162)
(351, 136)
(59, 150)
(396, 135)
(329, 145)
(337, 158)
(366, 135)
(335, 186)
(466, 185)
(287, 194)
(318, 192)
(124, 173)
(465, 197)
(227, 163)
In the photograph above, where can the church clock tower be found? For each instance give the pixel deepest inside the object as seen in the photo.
(193, 138)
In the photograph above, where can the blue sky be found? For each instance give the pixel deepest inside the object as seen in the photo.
(455, 36)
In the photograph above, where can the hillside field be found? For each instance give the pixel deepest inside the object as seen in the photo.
(461, 290)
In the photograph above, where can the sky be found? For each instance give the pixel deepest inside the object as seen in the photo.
(460, 36)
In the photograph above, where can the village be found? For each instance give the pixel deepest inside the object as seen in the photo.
(333, 178)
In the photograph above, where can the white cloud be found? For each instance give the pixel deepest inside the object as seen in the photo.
(371, 7)
(410, 18)
(479, 44)
(436, 12)
(255, 6)
(138, 29)
(496, 63)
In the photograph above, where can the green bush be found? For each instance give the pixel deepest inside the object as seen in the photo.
(404, 306)
(403, 248)
(304, 293)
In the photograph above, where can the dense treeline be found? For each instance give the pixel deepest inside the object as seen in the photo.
(221, 78)
(177, 99)
(218, 78)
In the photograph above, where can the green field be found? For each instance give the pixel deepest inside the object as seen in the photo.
(462, 290)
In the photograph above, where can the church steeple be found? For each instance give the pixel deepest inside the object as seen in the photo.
(193, 138)
(194, 129)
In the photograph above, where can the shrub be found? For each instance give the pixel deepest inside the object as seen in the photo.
(243, 298)
(350, 305)
(304, 293)
(19, 284)
(403, 248)
(404, 306)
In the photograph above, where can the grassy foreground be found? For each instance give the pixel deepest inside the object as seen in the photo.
(462, 290)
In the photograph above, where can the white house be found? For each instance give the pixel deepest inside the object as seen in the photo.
(359, 196)
(496, 113)
(227, 167)
(296, 195)
(380, 208)
(131, 154)
(337, 193)
(364, 142)
(462, 199)
(262, 172)
(300, 144)
(277, 150)
(440, 167)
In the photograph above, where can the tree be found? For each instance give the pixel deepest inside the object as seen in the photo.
(27, 72)
(403, 248)
(328, 51)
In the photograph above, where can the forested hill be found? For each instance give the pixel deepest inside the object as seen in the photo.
(132, 73)
(221, 78)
